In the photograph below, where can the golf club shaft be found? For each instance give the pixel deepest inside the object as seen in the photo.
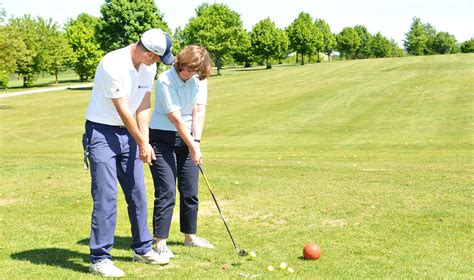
(218, 208)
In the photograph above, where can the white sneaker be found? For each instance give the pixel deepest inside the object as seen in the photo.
(199, 242)
(106, 268)
(163, 250)
(151, 257)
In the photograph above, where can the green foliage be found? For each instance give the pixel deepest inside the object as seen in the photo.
(3, 14)
(396, 50)
(218, 28)
(82, 38)
(468, 46)
(124, 21)
(380, 46)
(12, 50)
(328, 38)
(348, 41)
(305, 38)
(416, 40)
(444, 43)
(422, 39)
(268, 41)
(364, 49)
(55, 51)
(179, 41)
(244, 53)
(282, 43)
(30, 31)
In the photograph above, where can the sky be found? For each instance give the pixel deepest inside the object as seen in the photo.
(392, 18)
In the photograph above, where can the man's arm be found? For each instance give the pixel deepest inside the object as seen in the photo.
(143, 121)
(122, 108)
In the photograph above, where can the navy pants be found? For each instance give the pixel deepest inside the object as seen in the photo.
(173, 162)
(113, 155)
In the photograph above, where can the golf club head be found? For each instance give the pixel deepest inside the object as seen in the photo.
(242, 253)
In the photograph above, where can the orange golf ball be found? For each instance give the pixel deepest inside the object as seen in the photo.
(311, 251)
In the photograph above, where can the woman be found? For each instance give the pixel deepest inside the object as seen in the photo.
(175, 135)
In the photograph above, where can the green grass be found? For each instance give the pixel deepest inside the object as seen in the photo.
(371, 159)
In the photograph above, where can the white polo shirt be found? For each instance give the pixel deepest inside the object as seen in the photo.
(172, 94)
(117, 77)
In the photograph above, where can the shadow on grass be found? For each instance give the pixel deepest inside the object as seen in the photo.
(50, 84)
(58, 257)
(249, 69)
(80, 88)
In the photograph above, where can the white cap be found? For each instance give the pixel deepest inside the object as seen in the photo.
(158, 42)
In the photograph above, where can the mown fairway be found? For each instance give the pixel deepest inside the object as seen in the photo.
(371, 159)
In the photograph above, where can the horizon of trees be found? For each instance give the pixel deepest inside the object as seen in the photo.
(31, 45)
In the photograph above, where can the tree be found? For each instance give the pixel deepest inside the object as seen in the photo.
(468, 46)
(318, 43)
(363, 51)
(244, 53)
(218, 28)
(416, 40)
(55, 52)
(30, 64)
(12, 49)
(303, 35)
(282, 44)
(444, 43)
(3, 14)
(430, 32)
(328, 38)
(264, 38)
(348, 41)
(81, 36)
(380, 46)
(124, 21)
(396, 50)
(179, 42)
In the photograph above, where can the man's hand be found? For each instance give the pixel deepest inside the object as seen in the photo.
(147, 154)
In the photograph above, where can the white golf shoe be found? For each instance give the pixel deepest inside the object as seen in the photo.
(151, 257)
(163, 250)
(106, 268)
(199, 242)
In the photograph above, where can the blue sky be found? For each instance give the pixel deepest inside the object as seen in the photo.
(390, 17)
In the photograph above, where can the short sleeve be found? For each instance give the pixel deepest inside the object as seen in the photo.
(202, 93)
(167, 96)
(111, 82)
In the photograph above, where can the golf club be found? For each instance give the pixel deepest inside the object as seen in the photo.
(241, 252)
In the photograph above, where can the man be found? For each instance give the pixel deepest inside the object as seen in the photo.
(116, 144)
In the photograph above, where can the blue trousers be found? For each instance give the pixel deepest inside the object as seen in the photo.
(113, 155)
(173, 163)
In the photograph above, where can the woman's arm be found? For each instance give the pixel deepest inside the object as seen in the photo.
(176, 119)
(199, 113)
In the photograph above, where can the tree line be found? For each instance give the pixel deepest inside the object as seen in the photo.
(31, 45)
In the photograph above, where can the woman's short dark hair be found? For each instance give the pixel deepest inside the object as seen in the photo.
(194, 58)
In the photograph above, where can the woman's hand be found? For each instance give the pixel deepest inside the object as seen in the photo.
(196, 155)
